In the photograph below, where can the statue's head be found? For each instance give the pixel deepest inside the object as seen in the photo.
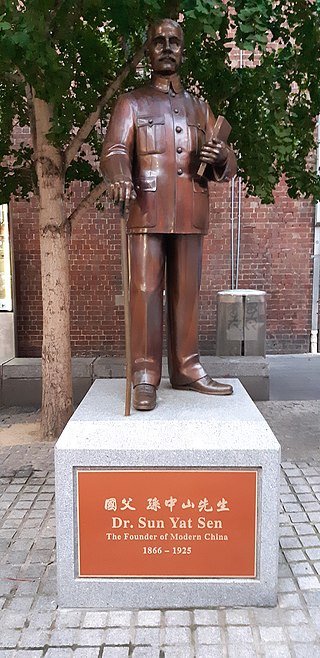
(165, 46)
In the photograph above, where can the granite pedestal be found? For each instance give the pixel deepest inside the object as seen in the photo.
(186, 432)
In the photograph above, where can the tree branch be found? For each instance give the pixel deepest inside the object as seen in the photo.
(16, 76)
(92, 119)
(30, 104)
(88, 201)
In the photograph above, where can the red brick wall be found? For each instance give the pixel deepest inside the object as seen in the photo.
(275, 256)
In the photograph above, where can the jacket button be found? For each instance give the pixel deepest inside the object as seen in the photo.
(179, 172)
(178, 129)
(176, 110)
(150, 121)
(173, 94)
(179, 149)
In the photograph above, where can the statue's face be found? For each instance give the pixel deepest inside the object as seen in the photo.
(165, 48)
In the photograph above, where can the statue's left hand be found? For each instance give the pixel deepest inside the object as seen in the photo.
(214, 152)
(120, 191)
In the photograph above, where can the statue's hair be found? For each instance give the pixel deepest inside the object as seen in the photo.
(169, 21)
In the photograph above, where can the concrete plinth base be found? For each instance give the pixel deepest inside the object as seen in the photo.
(186, 433)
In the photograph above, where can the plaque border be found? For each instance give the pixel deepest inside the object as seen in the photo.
(81, 469)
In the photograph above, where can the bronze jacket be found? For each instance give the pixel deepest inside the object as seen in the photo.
(154, 139)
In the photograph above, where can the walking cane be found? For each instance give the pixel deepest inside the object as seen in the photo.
(125, 284)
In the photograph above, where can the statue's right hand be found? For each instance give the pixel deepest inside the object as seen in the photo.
(123, 190)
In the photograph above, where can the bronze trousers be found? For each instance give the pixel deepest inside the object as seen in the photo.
(180, 256)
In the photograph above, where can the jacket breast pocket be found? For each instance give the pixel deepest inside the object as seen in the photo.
(196, 136)
(151, 135)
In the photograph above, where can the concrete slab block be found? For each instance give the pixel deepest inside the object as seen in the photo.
(29, 368)
(108, 367)
(22, 368)
(23, 392)
(187, 432)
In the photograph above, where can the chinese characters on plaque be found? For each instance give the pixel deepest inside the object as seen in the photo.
(157, 523)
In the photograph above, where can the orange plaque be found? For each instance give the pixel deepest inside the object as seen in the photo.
(167, 523)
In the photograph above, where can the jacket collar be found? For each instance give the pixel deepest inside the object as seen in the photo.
(164, 84)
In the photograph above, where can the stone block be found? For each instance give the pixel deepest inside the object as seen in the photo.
(186, 432)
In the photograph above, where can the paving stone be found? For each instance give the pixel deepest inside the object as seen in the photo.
(276, 651)
(312, 599)
(21, 604)
(117, 652)
(307, 498)
(14, 620)
(241, 634)
(287, 585)
(116, 635)
(294, 617)
(140, 652)
(9, 638)
(177, 617)
(206, 617)
(299, 517)
(147, 636)
(95, 620)
(208, 635)
(310, 541)
(272, 634)
(267, 616)
(237, 617)
(289, 600)
(313, 553)
(149, 618)
(294, 555)
(301, 634)
(45, 604)
(289, 498)
(308, 582)
(292, 507)
(242, 651)
(209, 651)
(290, 542)
(119, 618)
(63, 637)
(301, 568)
(34, 638)
(41, 620)
(178, 652)
(177, 635)
(305, 651)
(314, 517)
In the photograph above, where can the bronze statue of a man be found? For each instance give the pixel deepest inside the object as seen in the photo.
(157, 137)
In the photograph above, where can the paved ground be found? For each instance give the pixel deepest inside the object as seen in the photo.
(31, 626)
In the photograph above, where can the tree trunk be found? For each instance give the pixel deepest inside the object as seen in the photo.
(57, 403)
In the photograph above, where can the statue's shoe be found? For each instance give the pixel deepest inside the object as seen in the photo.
(144, 397)
(207, 386)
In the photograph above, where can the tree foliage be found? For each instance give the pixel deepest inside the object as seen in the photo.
(69, 51)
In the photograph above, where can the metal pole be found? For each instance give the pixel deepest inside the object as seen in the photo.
(232, 232)
(238, 232)
(316, 263)
(239, 204)
(127, 323)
